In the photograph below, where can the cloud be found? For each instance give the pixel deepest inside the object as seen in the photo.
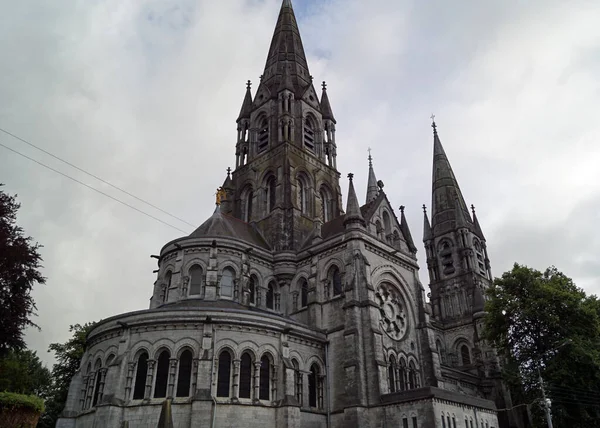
(145, 94)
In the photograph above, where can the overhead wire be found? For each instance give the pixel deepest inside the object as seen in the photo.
(94, 189)
(94, 176)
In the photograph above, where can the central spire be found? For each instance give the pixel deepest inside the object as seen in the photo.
(286, 52)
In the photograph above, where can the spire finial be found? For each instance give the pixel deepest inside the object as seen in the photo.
(350, 176)
(370, 157)
(248, 84)
(228, 171)
(402, 208)
(324, 85)
(433, 125)
(425, 208)
(473, 209)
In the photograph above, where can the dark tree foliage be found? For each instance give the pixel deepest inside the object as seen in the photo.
(19, 272)
(68, 358)
(22, 372)
(543, 324)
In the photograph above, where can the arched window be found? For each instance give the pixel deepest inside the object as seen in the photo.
(184, 376)
(264, 390)
(465, 354)
(335, 280)
(97, 379)
(412, 376)
(303, 202)
(387, 224)
(227, 282)
(326, 203)
(271, 193)
(252, 290)
(403, 375)
(195, 280)
(162, 374)
(480, 257)
(224, 376)
(263, 134)
(309, 134)
(270, 296)
(168, 277)
(441, 352)
(392, 374)
(297, 382)
(304, 293)
(315, 387)
(140, 376)
(446, 256)
(245, 375)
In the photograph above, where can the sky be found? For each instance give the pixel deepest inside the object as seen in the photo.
(145, 95)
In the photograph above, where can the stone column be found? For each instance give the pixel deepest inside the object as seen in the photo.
(130, 368)
(273, 382)
(236, 379)
(90, 389)
(101, 385)
(195, 364)
(172, 375)
(256, 380)
(149, 378)
(83, 391)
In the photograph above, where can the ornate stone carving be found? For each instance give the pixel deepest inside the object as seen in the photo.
(392, 309)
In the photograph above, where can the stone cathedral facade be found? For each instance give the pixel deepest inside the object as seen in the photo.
(286, 309)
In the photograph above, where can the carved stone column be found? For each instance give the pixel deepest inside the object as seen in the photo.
(195, 364)
(256, 380)
(101, 385)
(149, 378)
(84, 386)
(236, 379)
(172, 374)
(129, 381)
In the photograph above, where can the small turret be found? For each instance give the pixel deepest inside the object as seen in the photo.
(406, 232)
(326, 110)
(476, 225)
(427, 235)
(246, 109)
(372, 188)
(353, 217)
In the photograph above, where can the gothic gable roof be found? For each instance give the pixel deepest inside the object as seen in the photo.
(223, 225)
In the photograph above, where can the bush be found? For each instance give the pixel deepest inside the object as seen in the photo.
(19, 411)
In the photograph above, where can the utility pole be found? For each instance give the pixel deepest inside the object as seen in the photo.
(546, 404)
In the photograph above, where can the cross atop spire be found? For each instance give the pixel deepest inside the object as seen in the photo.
(248, 84)
(324, 85)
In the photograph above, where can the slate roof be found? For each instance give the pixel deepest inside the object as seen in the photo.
(223, 225)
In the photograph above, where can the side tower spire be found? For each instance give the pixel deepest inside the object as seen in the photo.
(372, 189)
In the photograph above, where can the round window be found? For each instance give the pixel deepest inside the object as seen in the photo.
(392, 309)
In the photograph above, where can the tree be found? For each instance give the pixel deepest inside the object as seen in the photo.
(68, 357)
(23, 372)
(19, 272)
(544, 325)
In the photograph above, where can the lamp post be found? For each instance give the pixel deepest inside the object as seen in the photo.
(546, 401)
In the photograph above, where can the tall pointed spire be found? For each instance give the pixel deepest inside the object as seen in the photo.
(427, 235)
(247, 104)
(478, 230)
(286, 47)
(446, 194)
(372, 189)
(353, 214)
(326, 110)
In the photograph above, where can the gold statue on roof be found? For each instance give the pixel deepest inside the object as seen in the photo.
(221, 195)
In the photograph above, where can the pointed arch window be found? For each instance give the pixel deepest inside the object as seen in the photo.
(412, 376)
(302, 194)
(167, 286)
(271, 193)
(297, 382)
(315, 387)
(140, 376)
(445, 251)
(479, 256)
(270, 296)
(387, 224)
(195, 280)
(226, 286)
(162, 375)
(309, 133)
(304, 293)
(247, 200)
(263, 134)
(245, 375)
(392, 374)
(252, 290)
(97, 380)
(264, 391)
(326, 204)
(184, 375)
(402, 375)
(335, 280)
(465, 355)
(224, 374)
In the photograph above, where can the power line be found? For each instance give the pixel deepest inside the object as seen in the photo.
(94, 176)
(94, 189)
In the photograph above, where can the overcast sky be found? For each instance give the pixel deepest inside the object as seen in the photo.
(145, 94)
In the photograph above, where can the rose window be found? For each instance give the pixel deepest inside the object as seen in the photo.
(392, 309)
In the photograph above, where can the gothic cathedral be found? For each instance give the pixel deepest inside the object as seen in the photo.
(286, 309)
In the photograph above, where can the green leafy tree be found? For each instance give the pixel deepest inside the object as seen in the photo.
(68, 358)
(19, 272)
(22, 372)
(546, 326)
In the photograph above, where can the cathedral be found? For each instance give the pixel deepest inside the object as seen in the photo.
(288, 309)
